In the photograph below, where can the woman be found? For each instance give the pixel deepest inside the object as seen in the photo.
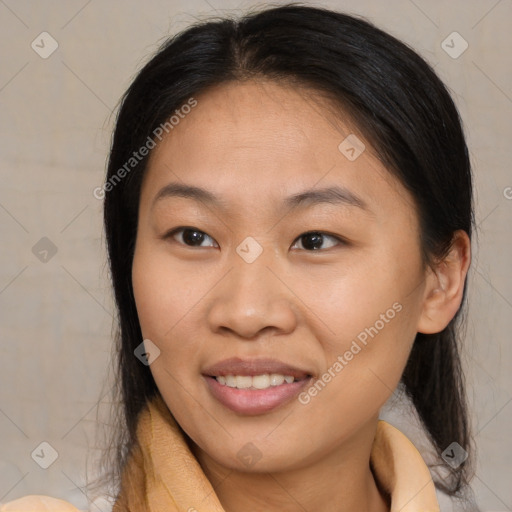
(288, 210)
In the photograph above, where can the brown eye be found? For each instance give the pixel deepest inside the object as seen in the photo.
(192, 237)
(314, 240)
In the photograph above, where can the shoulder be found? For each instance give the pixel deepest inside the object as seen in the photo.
(38, 503)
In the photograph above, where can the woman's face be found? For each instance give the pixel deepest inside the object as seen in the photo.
(233, 290)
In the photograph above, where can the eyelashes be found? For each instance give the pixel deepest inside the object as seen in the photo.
(314, 238)
(309, 241)
(191, 236)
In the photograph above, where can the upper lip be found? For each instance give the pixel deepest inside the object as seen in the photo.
(252, 367)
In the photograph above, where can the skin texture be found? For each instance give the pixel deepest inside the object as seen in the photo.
(253, 144)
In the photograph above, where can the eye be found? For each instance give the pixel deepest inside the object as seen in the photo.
(191, 236)
(313, 241)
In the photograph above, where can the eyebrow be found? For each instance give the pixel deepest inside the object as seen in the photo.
(331, 195)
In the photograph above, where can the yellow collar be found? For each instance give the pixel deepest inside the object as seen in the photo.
(399, 468)
(154, 481)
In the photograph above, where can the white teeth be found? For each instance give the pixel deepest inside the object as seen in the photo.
(276, 379)
(243, 381)
(263, 381)
(231, 381)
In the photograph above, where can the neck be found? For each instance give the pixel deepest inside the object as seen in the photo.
(340, 481)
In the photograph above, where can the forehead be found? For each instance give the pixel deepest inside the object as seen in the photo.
(260, 117)
(262, 140)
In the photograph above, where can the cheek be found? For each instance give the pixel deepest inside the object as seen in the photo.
(367, 323)
(354, 298)
(164, 292)
(165, 295)
(163, 300)
(361, 372)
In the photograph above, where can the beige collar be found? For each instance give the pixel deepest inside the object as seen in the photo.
(400, 470)
(153, 480)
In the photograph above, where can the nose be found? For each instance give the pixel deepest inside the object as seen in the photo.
(252, 300)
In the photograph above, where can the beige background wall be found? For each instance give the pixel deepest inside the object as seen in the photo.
(56, 310)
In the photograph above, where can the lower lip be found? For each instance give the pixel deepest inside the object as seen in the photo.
(254, 401)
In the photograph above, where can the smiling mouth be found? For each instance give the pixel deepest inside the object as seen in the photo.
(254, 395)
(263, 381)
(254, 386)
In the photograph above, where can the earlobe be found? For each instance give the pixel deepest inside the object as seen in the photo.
(445, 286)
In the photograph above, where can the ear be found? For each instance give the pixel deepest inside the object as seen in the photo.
(445, 286)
